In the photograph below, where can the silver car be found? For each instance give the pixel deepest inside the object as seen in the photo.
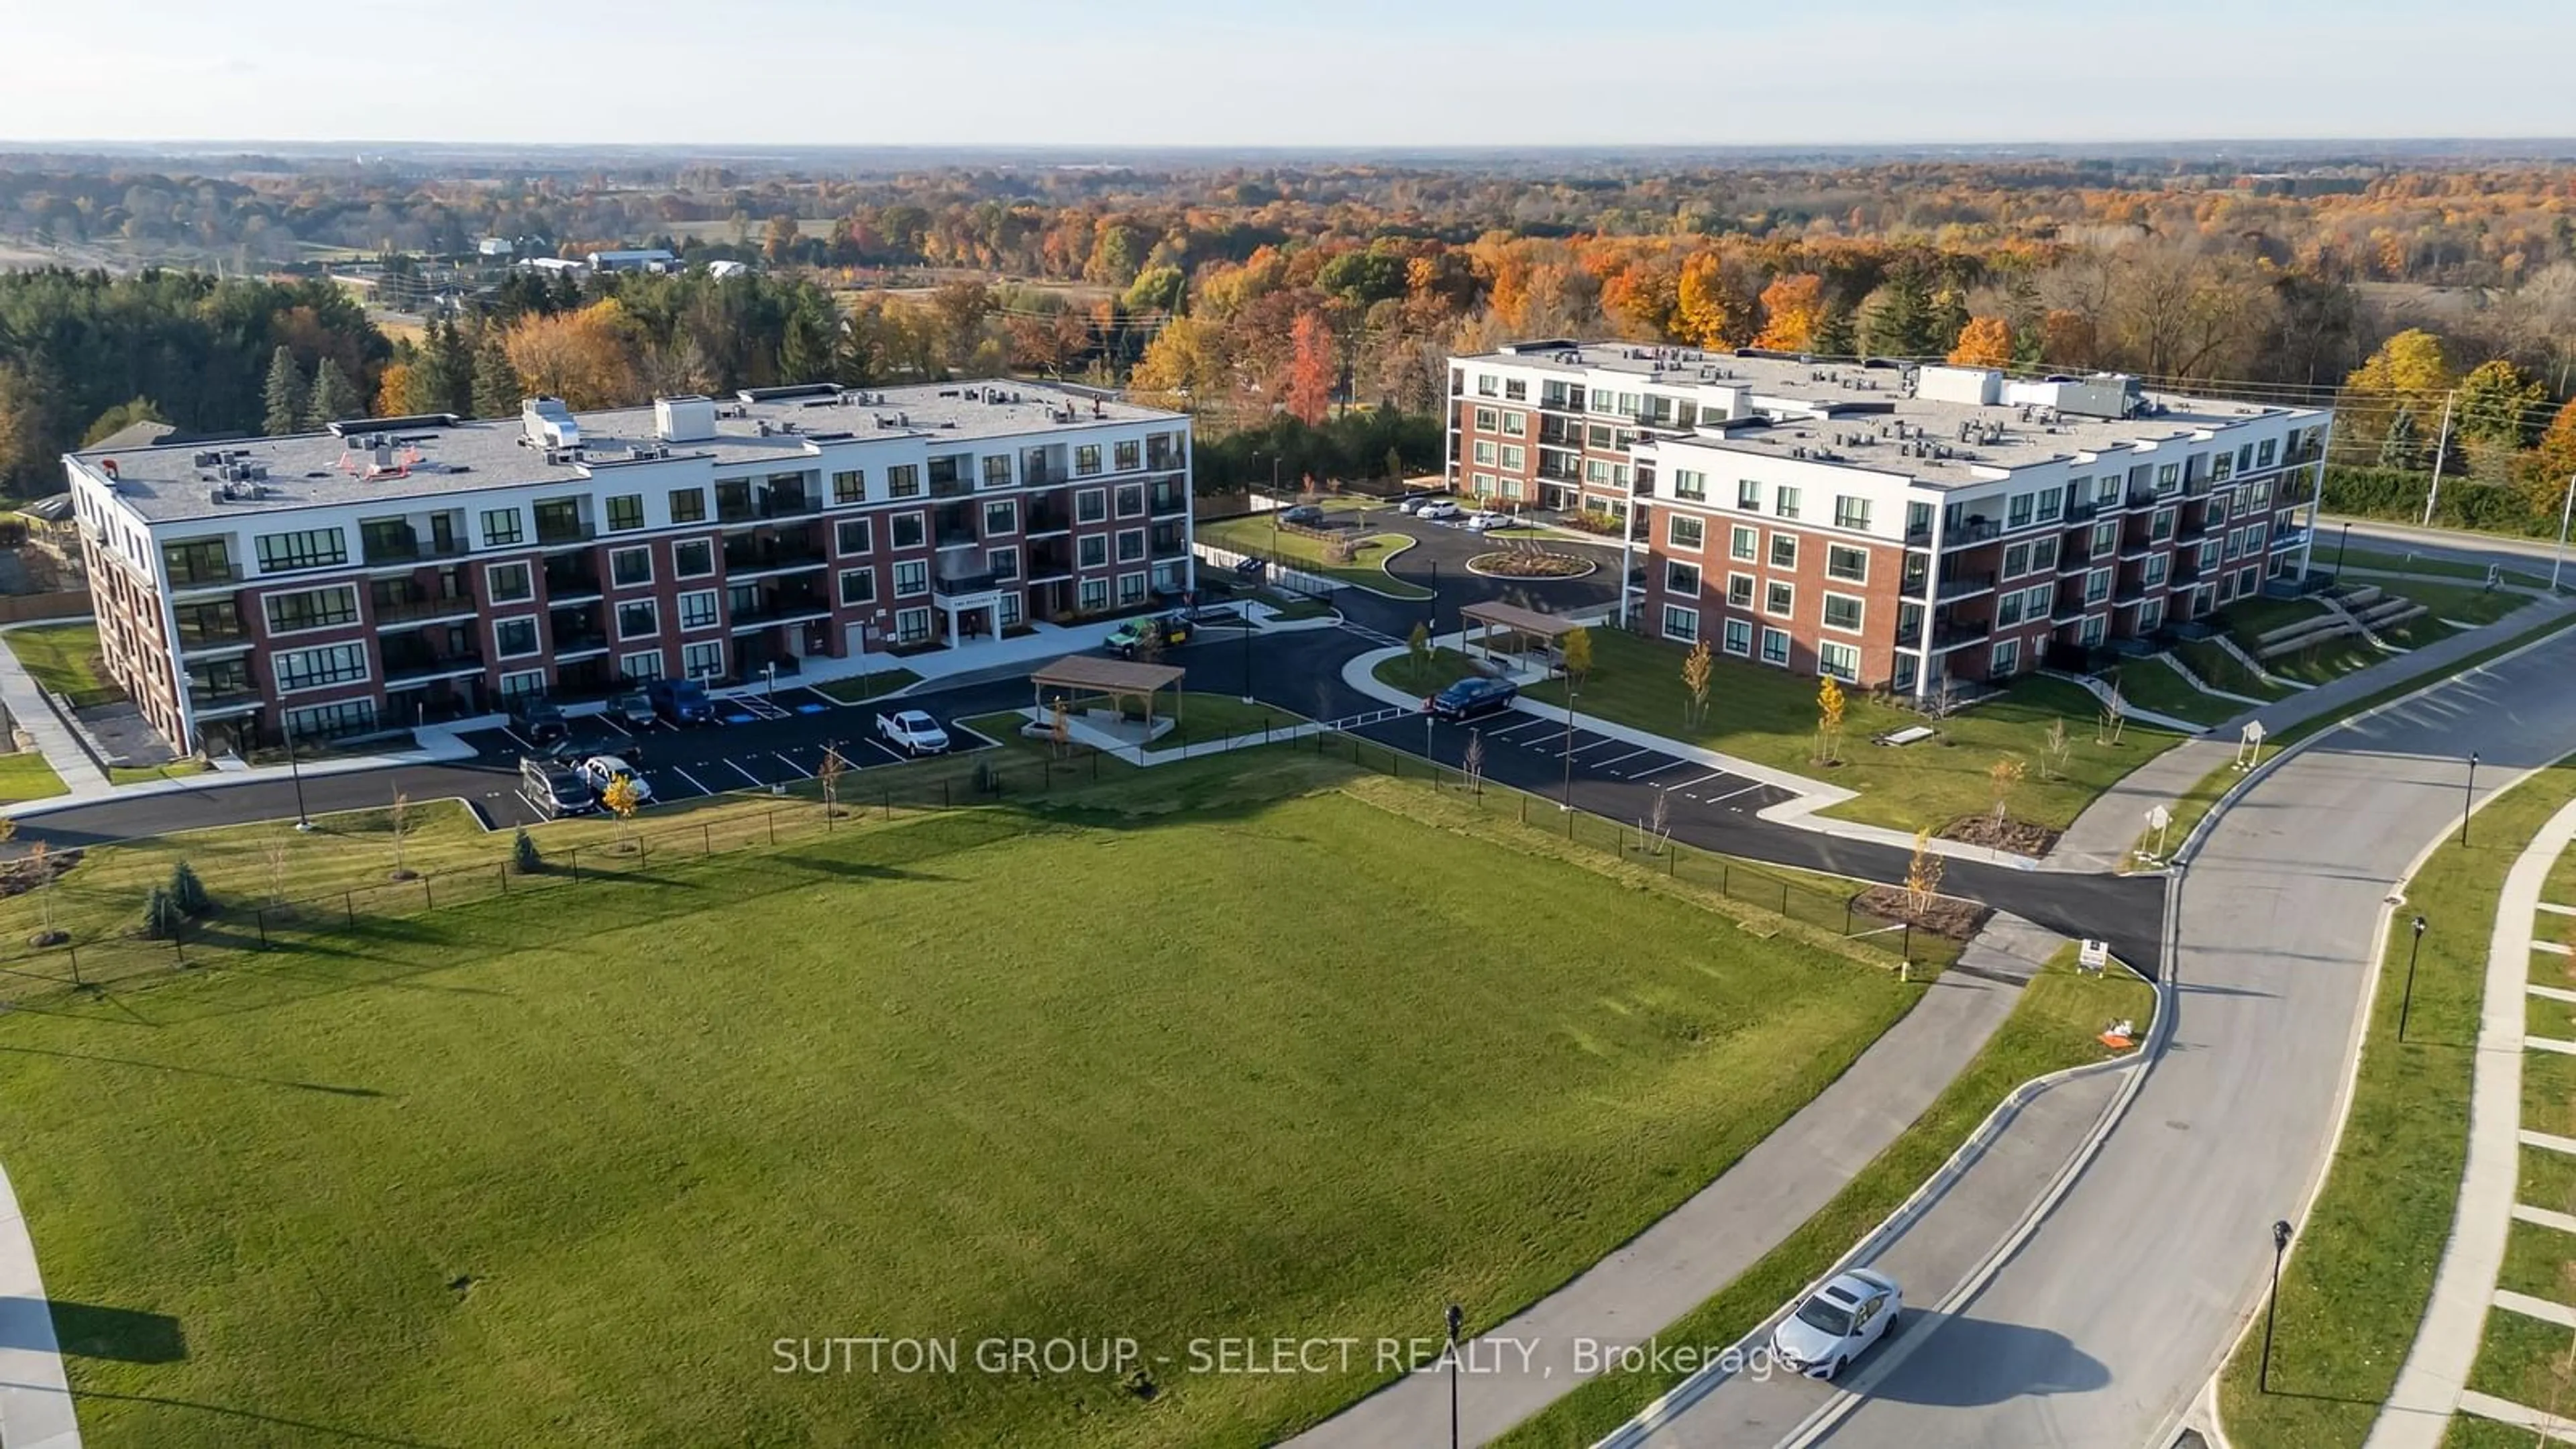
(1837, 1323)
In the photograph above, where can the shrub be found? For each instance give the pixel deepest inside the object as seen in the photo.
(986, 782)
(187, 892)
(524, 857)
(162, 917)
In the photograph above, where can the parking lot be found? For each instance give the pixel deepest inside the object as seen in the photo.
(1530, 751)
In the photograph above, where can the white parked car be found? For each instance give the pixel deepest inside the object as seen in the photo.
(1486, 518)
(1438, 509)
(1414, 502)
(599, 770)
(912, 731)
(1837, 1323)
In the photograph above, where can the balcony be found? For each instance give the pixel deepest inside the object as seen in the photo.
(193, 637)
(207, 576)
(959, 585)
(411, 548)
(562, 584)
(206, 700)
(1946, 634)
(952, 487)
(1964, 586)
(1974, 531)
(757, 556)
(2082, 512)
(1165, 498)
(2292, 539)
(413, 668)
(420, 610)
(780, 609)
(1047, 520)
(1050, 563)
(1169, 543)
(562, 534)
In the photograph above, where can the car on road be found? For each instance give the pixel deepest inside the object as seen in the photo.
(1439, 510)
(1837, 1323)
(912, 731)
(1129, 638)
(635, 707)
(539, 721)
(554, 790)
(1306, 514)
(1469, 698)
(601, 771)
(681, 701)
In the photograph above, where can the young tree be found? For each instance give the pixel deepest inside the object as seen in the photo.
(524, 856)
(400, 822)
(2001, 777)
(1417, 649)
(274, 852)
(41, 861)
(1695, 672)
(334, 396)
(1922, 883)
(2115, 716)
(1472, 762)
(1576, 646)
(1829, 721)
(187, 892)
(622, 799)
(2054, 750)
(829, 777)
(1659, 826)
(284, 394)
(162, 918)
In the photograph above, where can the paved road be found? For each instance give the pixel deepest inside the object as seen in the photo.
(2149, 1263)
(2525, 555)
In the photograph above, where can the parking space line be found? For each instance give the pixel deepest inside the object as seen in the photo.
(1596, 744)
(614, 725)
(512, 736)
(1659, 769)
(692, 779)
(1731, 794)
(746, 774)
(1702, 780)
(1531, 723)
(1632, 754)
(801, 772)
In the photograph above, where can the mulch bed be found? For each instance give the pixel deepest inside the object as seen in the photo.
(2019, 836)
(1945, 916)
(1531, 565)
(17, 877)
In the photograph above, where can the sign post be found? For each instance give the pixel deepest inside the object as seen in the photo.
(2249, 748)
(2092, 956)
(2160, 820)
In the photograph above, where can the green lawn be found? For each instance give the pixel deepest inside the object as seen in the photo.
(2521, 1360)
(2541, 1262)
(2248, 620)
(2358, 1282)
(2152, 684)
(64, 659)
(1444, 667)
(1190, 1054)
(2468, 1431)
(1204, 717)
(1768, 716)
(2466, 603)
(145, 774)
(861, 688)
(26, 776)
(2052, 1027)
(2547, 1179)
(2221, 670)
(2397, 561)
(1367, 569)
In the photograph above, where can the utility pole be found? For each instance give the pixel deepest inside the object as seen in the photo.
(2559, 558)
(2441, 450)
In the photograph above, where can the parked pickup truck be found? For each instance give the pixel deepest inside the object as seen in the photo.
(1131, 638)
(913, 732)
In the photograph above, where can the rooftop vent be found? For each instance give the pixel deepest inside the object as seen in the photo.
(547, 422)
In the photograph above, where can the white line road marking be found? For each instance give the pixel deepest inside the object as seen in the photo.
(746, 774)
(1632, 754)
(1702, 780)
(614, 725)
(692, 779)
(1509, 730)
(1747, 790)
(513, 737)
(1659, 769)
(1597, 744)
(801, 772)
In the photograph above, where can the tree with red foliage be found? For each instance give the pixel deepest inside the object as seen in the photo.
(1312, 369)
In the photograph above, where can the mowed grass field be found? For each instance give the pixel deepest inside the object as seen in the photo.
(1194, 1056)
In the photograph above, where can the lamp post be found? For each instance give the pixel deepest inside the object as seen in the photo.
(771, 670)
(2468, 797)
(2342, 543)
(1246, 632)
(294, 771)
(1455, 1318)
(2564, 510)
(2272, 1304)
(2406, 1003)
(1567, 801)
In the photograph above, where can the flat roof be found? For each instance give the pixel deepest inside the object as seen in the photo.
(1850, 414)
(1520, 620)
(305, 470)
(1108, 676)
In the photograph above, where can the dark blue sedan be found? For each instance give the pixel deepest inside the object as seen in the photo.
(1469, 698)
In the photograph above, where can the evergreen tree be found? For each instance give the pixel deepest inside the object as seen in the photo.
(2397, 450)
(334, 396)
(161, 915)
(496, 382)
(1834, 336)
(451, 369)
(524, 856)
(285, 394)
(187, 892)
(1896, 320)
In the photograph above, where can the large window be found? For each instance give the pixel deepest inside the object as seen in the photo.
(311, 548)
(1131, 545)
(1092, 552)
(704, 660)
(1748, 495)
(1851, 565)
(315, 668)
(332, 721)
(206, 561)
(903, 480)
(559, 521)
(501, 527)
(1131, 500)
(1784, 550)
(1091, 505)
(625, 512)
(1739, 591)
(1086, 459)
(688, 505)
(1093, 596)
(904, 530)
(852, 536)
(2006, 660)
(1775, 647)
(1128, 456)
(692, 558)
(1681, 578)
(997, 470)
(631, 567)
(1842, 661)
(858, 587)
(698, 609)
(1738, 637)
(849, 486)
(1842, 611)
(1001, 515)
(1784, 501)
(1685, 531)
(1851, 513)
(1131, 589)
(1779, 599)
(514, 638)
(1690, 485)
(642, 667)
(1681, 624)
(911, 578)
(2017, 511)
(638, 619)
(1744, 543)
(311, 609)
(509, 583)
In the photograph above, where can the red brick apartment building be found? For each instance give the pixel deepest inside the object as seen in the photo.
(396, 570)
(1893, 526)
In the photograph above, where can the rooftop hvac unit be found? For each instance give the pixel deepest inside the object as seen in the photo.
(548, 422)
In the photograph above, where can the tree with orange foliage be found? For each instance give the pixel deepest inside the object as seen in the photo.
(393, 391)
(587, 358)
(1312, 369)
(2067, 339)
(1709, 312)
(1792, 306)
(2545, 470)
(1984, 342)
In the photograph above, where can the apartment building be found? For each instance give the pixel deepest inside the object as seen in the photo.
(392, 571)
(1893, 526)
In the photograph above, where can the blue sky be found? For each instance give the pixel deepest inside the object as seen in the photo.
(1316, 73)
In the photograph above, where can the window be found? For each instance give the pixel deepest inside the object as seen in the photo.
(2093, 632)
(850, 536)
(1775, 646)
(698, 609)
(1784, 550)
(207, 561)
(1009, 608)
(1488, 420)
(2008, 610)
(1843, 611)
(911, 578)
(1004, 563)
(2106, 537)
(1092, 552)
(324, 721)
(1486, 452)
(692, 558)
(1515, 459)
(2151, 615)
(313, 609)
(1690, 485)
(514, 638)
(2262, 492)
(1131, 589)
(2154, 573)
(1128, 456)
(1851, 565)
(1131, 545)
(2265, 451)
(631, 567)
(903, 480)
(1778, 599)
(1001, 515)
(1850, 512)
(1681, 578)
(311, 548)
(688, 505)
(1091, 505)
(2038, 601)
(638, 619)
(2017, 511)
(2168, 477)
(2052, 501)
(703, 660)
(2222, 467)
(1516, 389)
(641, 668)
(997, 470)
(315, 668)
(1743, 543)
(1131, 501)
(1748, 495)
(850, 486)
(1739, 591)
(949, 470)
(1093, 596)
(2255, 536)
(1681, 624)
(559, 521)
(2016, 560)
(1685, 531)
(2006, 660)
(2043, 552)
(858, 587)
(625, 512)
(1842, 661)
(905, 530)
(526, 684)
(1739, 637)
(1784, 501)
(2160, 525)
(2097, 586)
(501, 527)
(1086, 459)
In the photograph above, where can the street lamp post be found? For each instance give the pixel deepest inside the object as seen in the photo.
(2406, 1003)
(1456, 1316)
(1246, 623)
(2342, 543)
(2468, 797)
(771, 670)
(1567, 802)
(295, 772)
(2564, 510)
(2272, 1304)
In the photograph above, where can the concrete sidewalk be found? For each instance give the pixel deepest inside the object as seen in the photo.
(2418, 1412)
(1694, 1251)
(25, 700)
(35, 1397)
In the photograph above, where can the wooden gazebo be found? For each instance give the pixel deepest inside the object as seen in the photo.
(1080, 676)
(1512, 619)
